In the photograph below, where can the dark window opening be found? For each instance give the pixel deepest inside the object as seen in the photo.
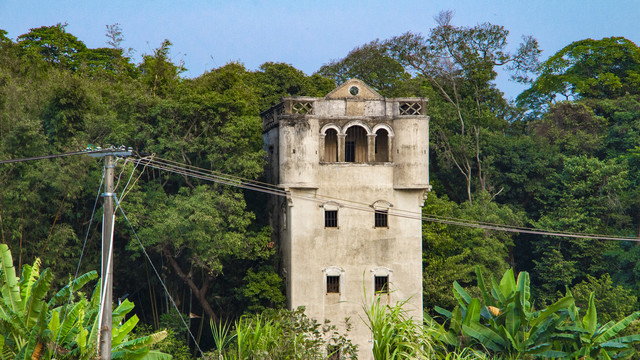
(356, 145)
(382, 146)
(350, 151)
(331, 218)
(382, 284)
(381, 218)
(331, 146)
(333, 284)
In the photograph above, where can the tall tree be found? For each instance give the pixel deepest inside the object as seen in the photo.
(54, 45)
(460, 64)
(277, 80)
(371, 64)
(600, 69)
(159, 73)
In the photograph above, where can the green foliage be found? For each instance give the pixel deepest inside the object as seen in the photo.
(31, 327)
(452, 252)
(586, 198)
(262, 289)
(277, 80)
(174, 344)
(159, 74)
(394, 333)
(371, 64)
(57, 95)
(504, 322)
(283, 334)
(195, 219)
(606, 68)
(613, 302)
(460, 64)
(622, 113)
(572, 127)
(53, 45)
(587, 338)
(503, 319)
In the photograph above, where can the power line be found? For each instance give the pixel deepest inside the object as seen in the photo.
(254, 185)
(231, 180)
(52, 156)
(250, 184)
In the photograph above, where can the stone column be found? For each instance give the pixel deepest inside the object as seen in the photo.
(371, 148)
(341, 139)
(390, 147)
(321, 148)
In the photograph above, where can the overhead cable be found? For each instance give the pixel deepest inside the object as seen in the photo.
(231, 180)
(249, 185)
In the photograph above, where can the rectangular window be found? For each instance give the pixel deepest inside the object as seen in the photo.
(382, 284)
(331, 218)
(333, 284)
(381, 218)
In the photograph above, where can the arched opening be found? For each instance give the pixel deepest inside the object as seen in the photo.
(355, 145)
(382, 145)
(331, 146)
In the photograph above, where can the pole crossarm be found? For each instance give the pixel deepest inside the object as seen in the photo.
(112, 151)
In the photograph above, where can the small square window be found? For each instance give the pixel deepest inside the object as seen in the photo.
(381, 218)
(382, 284)
(331, 218)
(333, 284)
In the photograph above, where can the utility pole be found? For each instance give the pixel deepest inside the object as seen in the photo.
(108, 220)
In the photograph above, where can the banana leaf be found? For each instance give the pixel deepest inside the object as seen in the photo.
(615, 329)
(10, 289)
(485, 336)
(121, 332)
(524, 292)
(563, 303)
(29, 276)
(35, 303)
(488, 300)
(508, 284)
(590, 320)
(63, 295)
(461, 295)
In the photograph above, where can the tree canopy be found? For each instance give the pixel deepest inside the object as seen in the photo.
(565, 158)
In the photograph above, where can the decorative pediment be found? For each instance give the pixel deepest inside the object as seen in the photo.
(353, 89)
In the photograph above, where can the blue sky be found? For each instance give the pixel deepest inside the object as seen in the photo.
(308, 34)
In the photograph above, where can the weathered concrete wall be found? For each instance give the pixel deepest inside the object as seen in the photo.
(355, 250)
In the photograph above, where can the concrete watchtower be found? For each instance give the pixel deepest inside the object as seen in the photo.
(356, 169)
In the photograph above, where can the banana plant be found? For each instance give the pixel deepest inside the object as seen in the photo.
(33, 328)
(585, 338)
(23, 311)
(504, 320)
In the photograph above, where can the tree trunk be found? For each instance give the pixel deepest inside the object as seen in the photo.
(200, 293)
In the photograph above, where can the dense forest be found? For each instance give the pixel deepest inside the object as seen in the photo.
(564, 157)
